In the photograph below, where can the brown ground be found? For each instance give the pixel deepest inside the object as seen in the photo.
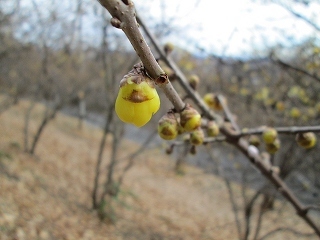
(47, 196)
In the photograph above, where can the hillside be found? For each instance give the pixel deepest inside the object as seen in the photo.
(47, 196)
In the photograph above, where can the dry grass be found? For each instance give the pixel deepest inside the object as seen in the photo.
(47, 196)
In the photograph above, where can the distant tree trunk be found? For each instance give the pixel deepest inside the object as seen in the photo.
(95, 203)
(82, 112)
(26, 127)
(48, 117)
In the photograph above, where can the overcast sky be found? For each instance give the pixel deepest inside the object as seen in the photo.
(222, 27)
(233, 27)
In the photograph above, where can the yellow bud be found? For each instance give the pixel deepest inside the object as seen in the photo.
(269, 135)
(137, 99)
(168, 48)
(197, 137)
(212, 129)
(280, 106)
(194, 81)
(273, 147)
(213, 102)
(168, 127)
(306, 140)
(190, 119)
(295, 112)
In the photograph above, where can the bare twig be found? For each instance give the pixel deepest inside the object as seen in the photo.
(281, 130)
(298, 15)
(285, 229)
(133, 155)
(274, 178)
(181, 78)
(94, 196)
(313, 207)
(230, 191)
(288, 66)
(248, 213)
(49, 115)
(228, 113)
(205, 141)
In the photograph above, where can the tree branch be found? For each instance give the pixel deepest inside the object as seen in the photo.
(288, 66)
(124, 17)
(284, 229)
(298, 15)
(179, 75)
(281, 130)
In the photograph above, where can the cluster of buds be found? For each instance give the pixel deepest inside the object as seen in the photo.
(189, 121)
(271, 140)
(189, 125)
(306, 140)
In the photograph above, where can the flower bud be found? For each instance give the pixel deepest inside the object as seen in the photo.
(137, 100)
(197, 136)
(306, 140)
(295, 112)
(273, 147)
(168, 48)
(194, 81)
(190, 119)
(269, 135)
(212, 129)
(168, 126)
(213, 102)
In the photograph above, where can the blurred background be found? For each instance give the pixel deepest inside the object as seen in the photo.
(262, 55)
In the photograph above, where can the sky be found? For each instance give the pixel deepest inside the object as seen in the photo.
(232, 27)
(236, 28)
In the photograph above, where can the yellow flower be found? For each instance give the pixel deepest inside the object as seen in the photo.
(137, 99)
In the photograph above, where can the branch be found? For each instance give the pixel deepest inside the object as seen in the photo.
(124, 17)
(312, 207)
(274, 178)
(283, 229)
(286, 65)
(228, 113)
(181, 78)
(281, 130)
(298, 15)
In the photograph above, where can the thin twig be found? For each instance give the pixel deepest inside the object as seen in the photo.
(281, 130)
(181, 78)
(230, 191)
(228, 113)
(205, 141)
(312, 207)
(285, 229)
(288, 66)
